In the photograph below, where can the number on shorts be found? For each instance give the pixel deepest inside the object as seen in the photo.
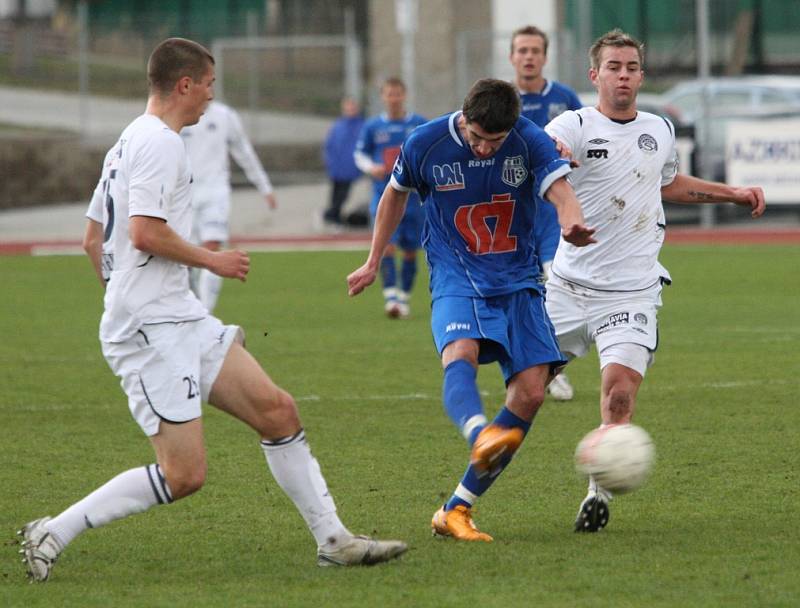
(192, 384)
(471, 223)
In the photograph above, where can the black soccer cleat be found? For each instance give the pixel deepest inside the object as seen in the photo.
(593, 514)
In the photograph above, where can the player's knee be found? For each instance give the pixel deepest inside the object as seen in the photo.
(528, 399)
(185, 480)
(278, 415)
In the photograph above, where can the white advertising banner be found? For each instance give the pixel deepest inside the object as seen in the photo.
(766, 154)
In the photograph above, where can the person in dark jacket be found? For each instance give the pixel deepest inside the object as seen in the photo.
(339, 147)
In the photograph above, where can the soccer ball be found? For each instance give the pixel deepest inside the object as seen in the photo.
(618, 456)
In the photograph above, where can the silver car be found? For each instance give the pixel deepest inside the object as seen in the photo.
(685, 100)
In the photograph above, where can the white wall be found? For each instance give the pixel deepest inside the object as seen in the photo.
(35, 8)
(507, 16)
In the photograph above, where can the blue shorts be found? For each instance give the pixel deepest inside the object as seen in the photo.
(409, 232)
(546, 230)
(513, 329)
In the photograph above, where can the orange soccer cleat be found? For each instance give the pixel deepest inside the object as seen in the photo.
(492, 444)
(458, 524)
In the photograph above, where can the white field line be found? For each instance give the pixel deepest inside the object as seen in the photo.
(313, 398)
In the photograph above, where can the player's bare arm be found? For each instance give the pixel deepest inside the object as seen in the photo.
(391, 208)
(153, 235)
(93, 246)
(688, 189)
(570, 215)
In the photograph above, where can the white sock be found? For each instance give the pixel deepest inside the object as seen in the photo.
(208, 288)
(131, 492)
(298, 474)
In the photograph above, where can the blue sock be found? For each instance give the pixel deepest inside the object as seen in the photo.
(462, 402)
(388, 271)
(472, 486)
(407, 273)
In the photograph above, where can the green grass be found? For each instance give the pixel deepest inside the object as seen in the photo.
(715, 526)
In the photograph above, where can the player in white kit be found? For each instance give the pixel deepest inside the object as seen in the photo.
(167, 350)
(209, 143)
(608, 294)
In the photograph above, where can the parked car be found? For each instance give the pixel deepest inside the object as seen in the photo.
(711, 132)
(685, 100)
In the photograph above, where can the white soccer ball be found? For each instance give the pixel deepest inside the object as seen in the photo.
(619, 457)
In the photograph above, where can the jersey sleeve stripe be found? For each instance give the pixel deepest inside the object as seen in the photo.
(552, 177)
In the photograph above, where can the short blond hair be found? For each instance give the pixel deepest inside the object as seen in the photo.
(530, 30)
(616, 38)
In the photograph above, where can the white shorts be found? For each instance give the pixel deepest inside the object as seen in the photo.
(622, 325)
(167, 369)
(210, 217)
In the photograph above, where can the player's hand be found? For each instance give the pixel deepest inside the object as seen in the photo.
(579, 235)
(752, 197)
(360, 279)
(378, 172)
(565, 152)
(231, 264)
(272, 202)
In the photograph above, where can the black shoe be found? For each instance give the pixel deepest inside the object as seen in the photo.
(593, 514)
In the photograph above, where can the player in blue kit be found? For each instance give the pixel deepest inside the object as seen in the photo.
(376, 151)
(542, 100)
(479, 171)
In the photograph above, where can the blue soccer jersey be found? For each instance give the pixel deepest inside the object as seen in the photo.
(380, 141)
(554, 99)
(479, 213)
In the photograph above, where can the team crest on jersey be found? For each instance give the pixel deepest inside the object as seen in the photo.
(555, 109)
(448, 177)
(647, 143)
(514, 171)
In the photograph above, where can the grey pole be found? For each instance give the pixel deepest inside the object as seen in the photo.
(407, 26)
(707, 210)
(83, 68)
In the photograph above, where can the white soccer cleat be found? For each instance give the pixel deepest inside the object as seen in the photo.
(39, 549)
(361, 551)
(403, 308)
(560, 389)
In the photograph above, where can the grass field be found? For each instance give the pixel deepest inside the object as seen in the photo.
(715, 526)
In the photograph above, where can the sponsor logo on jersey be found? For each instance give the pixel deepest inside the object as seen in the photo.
(486, 162)
(598, 141)
(448, 177)
(597, 153)
(457, 326)
(647, 143)
(555, 109)
(514, 171)
(398, 167)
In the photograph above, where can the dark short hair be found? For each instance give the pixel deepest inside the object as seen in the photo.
(173, 59)
(530, 30)
(393, 81)
(493, 104)
(616, 38)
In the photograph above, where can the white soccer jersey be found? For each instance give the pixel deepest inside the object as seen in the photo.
(208, 143)
(145, 173)
(622, 169)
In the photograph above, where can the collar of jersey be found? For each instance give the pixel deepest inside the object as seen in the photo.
(452, 122)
